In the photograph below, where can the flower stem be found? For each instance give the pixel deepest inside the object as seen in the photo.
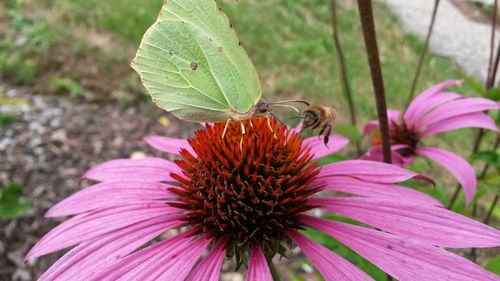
(490, 82)
(490, 211)
(423, 53)
(343, 69)
(370, 37)
(472, 254)
(490, 75)
(272, 268)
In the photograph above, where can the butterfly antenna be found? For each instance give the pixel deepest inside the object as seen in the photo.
(288, 106)
(225, 128)
(290, 101)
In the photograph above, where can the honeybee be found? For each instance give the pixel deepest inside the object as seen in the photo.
(318, 116)
(314, 116)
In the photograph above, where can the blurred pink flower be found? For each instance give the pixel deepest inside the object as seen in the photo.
(435, 111)
(246, 200)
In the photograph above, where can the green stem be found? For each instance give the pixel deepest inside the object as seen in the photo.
(272, 268)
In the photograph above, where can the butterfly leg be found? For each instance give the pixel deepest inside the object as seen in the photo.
(270, 127)
(243, 132)
(253, 128)
(225, 128)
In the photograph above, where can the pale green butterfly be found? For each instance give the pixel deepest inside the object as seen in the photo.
(193, 65)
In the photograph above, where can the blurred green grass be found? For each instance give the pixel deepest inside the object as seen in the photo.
(290, 43)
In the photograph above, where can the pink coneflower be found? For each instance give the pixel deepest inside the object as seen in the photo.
(435, 111)
(248, 201)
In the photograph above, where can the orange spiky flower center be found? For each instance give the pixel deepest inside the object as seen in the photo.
(248, 188)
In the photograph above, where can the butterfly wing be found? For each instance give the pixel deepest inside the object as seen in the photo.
(192, 64)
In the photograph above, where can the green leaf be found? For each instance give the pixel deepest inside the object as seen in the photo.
(350, 131)
(67, 85)
(14, 210)
(474, 84)
(492, 179)
(331, 158)
(482, 189)
(12, 204)
(6, 119)
(418, 166)
(492, 94)
(439, 193)
(11, 192)
(493, 265)
(489, 156)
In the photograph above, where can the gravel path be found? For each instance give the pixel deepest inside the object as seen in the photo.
(53, 142)
(454, 35)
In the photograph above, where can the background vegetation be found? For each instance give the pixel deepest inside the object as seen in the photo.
(81, 48)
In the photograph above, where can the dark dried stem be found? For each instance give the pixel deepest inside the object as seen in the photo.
(490, 211)
(343, 69)
(473, 254)
(490, 81)
(490, 74)
(493, 73)
(423, 53)
(370, 37)
(487, 166)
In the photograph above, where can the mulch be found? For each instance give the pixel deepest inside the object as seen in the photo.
(53, 142)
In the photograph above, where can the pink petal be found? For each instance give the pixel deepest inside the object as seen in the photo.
(148, 169)
(392, 116)
(456, 108)
(375, 154)
(477, 120)
(331, 266)
(430, 104)
(169, 145)
(109, 194)
(170, 259)
(369, 171)
(402, 258)
(88, 226)
(182, 264)
(257, 268)
(209, 269)
(429, 224)
(319, 149)
(370, 126)
(170, 246)
(89, 258)
(421, 99)
(378, 190)
(456, 165)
